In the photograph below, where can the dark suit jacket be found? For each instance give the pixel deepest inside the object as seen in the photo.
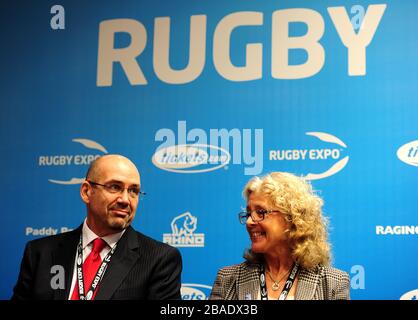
(242, 282)
(140, 268)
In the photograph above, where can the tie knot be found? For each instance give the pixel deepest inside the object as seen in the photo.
(98, 245)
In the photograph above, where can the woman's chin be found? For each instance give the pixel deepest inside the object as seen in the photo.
(256, 248)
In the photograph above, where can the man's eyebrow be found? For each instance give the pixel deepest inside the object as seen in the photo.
(114, 181)
(121, 182)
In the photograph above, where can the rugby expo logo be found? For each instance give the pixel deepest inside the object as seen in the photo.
(408, 153)
(72, 159)
(182, 232)
(189, 151)
(316, 154)
(194, 291)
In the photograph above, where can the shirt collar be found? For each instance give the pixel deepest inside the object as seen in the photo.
(89, 236)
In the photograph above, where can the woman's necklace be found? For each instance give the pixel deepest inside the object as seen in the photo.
(276, 284)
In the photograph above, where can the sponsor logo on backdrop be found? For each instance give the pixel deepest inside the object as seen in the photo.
(411, 295)
(408, 153)
(396, 230)
(356, 33)
(311, 154)
(194, 291)
(197, 150)
(183, 234)
(45, 231)
(72, 159)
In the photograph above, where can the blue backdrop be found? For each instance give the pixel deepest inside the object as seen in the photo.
(202, 95)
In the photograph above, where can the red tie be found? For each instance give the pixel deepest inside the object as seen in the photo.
(90, 267)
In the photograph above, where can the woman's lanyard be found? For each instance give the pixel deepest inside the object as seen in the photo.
(288, 285)
(99, 274)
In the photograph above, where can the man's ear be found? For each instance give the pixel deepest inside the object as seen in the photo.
(85, 192)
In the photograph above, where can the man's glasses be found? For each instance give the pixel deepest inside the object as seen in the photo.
(257, 215)
(133, 192)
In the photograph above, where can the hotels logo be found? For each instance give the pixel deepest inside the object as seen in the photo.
(193, 291)
(408, 153)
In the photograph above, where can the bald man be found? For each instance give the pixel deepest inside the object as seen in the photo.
(104, 258)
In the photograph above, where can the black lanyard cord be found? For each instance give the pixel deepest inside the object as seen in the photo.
(286, 289)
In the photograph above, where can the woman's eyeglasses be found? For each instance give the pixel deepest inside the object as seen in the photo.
(257, 215)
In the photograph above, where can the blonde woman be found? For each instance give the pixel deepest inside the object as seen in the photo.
(290, 255)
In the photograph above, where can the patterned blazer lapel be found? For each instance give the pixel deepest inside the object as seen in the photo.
(307, 285)
(248, 285)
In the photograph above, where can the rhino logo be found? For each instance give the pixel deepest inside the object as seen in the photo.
(184, 224)
(183, 234)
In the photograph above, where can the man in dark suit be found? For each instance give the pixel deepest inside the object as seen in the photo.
(104, 258)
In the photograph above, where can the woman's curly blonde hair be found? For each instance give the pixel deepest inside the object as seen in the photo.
(302, 209)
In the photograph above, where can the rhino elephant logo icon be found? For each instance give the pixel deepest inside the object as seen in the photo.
(184, 224)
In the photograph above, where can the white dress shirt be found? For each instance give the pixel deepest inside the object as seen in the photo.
(88, 238)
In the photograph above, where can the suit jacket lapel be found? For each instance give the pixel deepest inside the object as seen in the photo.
(65, 257)
(121, 262)
(248, 283)
(307, 284)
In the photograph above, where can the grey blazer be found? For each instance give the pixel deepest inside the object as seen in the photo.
(241, 282)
